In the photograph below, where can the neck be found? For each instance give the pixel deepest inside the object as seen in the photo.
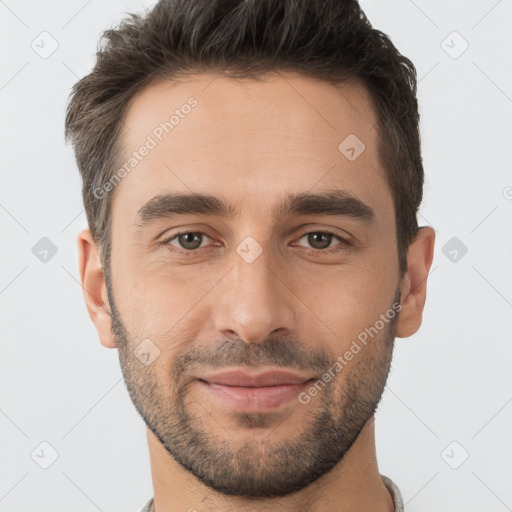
(353, 484)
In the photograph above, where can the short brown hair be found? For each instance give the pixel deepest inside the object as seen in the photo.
(331, 40)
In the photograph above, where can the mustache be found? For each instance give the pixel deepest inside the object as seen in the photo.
(272, 351)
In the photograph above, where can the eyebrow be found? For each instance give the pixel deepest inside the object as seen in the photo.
(334, 203)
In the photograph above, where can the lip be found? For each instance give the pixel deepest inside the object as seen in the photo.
(271, 377)
(254, 392)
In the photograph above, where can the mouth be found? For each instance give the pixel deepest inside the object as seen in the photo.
(254, 392)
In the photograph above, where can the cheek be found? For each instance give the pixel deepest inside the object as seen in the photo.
(156, 291)
(344, 302)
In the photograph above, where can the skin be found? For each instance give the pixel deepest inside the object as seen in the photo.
(278, 136)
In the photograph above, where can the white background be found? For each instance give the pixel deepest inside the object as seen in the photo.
(449, 382)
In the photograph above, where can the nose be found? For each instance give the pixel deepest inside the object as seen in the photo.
(255, 301)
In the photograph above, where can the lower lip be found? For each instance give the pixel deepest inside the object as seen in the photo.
(252, 399)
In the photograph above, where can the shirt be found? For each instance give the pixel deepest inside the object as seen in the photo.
(393, 489)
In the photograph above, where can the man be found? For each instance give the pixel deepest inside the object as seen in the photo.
(251, 176)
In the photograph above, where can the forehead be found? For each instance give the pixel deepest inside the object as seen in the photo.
(242, 137)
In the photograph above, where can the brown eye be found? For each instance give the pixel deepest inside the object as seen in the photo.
(321, 240)
(188, 240)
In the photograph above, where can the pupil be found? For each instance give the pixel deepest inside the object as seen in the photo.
(187, 240)
(313, 240)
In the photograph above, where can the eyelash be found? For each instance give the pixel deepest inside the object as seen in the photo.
(312, 252)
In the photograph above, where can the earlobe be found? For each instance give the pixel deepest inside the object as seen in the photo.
(414, 283)
(94, 287)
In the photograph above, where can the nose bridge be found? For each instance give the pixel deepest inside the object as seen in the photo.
(253, 300)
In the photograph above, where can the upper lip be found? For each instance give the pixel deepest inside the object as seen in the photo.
(238, 377)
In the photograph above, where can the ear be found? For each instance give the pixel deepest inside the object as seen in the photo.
(413, 288)
(94, 287)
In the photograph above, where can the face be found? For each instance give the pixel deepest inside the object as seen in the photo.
(250, 259)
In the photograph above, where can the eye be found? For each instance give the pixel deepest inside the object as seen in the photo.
(187, 241)
(321, 240)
